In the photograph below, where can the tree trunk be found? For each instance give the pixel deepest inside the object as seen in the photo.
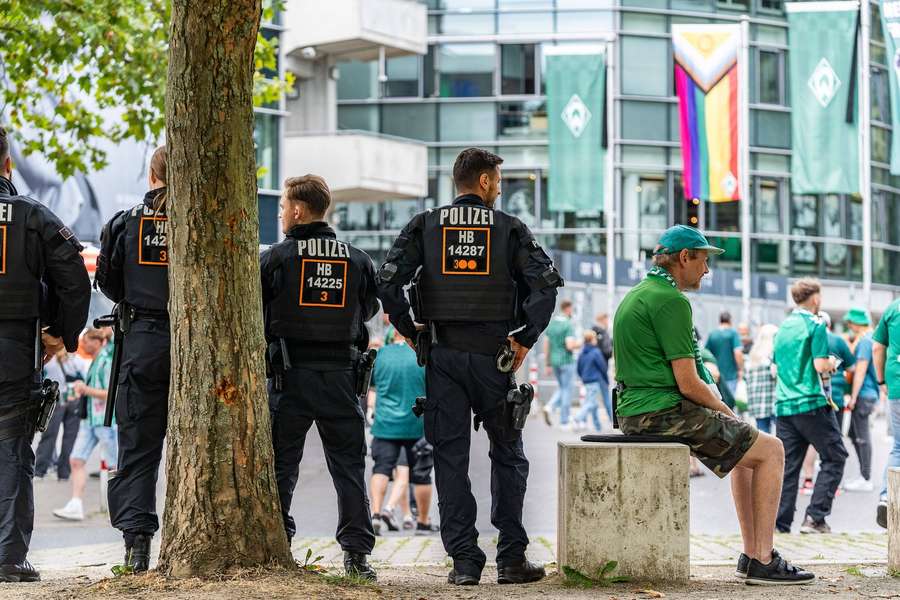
(222, 509)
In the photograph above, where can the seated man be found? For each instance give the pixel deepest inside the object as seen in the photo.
(665, 390)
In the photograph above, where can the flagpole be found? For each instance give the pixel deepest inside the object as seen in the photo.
(609, 205)
(744, 175)
(865, 154)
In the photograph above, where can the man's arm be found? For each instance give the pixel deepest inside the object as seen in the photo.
(694, 389)
(534, 270)
(879, 360)
(400, 266)
(864, 353)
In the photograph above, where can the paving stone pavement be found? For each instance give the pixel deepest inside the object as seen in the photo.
(95, 560)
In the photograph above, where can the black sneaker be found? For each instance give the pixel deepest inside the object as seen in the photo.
(810, 526)
(881, 514)
(356, 565)
(743, 564)
(20, 572)
(777, 572)
(426, 528)
(137, 556)
(521, 572)
(455, 578)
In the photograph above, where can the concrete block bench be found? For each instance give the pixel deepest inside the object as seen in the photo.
(628, 502)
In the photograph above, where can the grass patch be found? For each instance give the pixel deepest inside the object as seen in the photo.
(602, 577)
(346, 580)
(310, 564)
(855, 571)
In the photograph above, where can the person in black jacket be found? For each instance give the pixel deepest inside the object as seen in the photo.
(45, 293)
(483, 284)
(132, 270)
(318, 292)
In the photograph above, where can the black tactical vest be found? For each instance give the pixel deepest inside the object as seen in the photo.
(146, 271)
(320, 289)
(20, 289)
(466, 275)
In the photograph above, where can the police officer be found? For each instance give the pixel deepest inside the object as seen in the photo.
(132, 270)
(317, 294)
(482, 276)
(44, 297)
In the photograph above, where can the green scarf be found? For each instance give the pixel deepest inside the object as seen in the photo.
(660, 273)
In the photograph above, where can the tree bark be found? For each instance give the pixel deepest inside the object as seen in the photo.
(222, 509)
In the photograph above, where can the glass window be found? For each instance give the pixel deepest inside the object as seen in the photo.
(363, 117)
(645, 208)
(771, 129)
(397, 213)
(769, 34)
(512, 4)
(804, 215)
(695, 5)
(517, 69)
(468, 122)
(268, 218)
(518, 120)
(416, 121)
(269, 35)
(428, 73)
(881, 144)
(525, 156)
(855, 221)
(834, 216)
(358, 81)
(723, 216)
(881, 99)
(769, 256)
(566, 4)
(645, 121)
(402, 77)
(466, 69)
(643, 23)
(584, 22)
(769, 77)
(646, 62)
(525, 22)
(771, 5)
(768, 207)
(776, 163)
(356, 216)
(265, 138)
(518, 196)
(462, 24)
(734, 4)
(643, 155)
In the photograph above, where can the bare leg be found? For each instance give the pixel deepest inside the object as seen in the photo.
(79, 477)
(377, 489)
(423, 501)
(400, 491)
(742, 492)
(766, 459)
(809, 463)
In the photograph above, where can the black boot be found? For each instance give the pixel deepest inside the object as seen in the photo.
(356, 565)
(457, 578)
(14, 573)
(137, 553)
(520, 572)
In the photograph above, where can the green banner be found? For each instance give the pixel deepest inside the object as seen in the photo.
(576, 88)
(890, 24)
(824, 97)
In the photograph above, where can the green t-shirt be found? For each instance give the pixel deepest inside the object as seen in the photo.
(888, 334)
(800, 340)
(398, 381)
(98, 378)
(838, 347)
(722, 343)
(559, 329)
(654, 326)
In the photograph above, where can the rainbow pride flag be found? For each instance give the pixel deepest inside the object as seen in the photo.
(706, 81)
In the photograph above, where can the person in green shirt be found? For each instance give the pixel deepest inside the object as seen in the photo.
(886, 358)
(725, 344)
(664, 389)
(559, 345)
(804, 416)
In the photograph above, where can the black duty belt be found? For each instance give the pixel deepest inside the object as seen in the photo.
(149, 314)
(304, 353)
(465, 339)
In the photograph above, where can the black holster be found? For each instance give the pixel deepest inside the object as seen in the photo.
(120, 320)
(364, 367)
(518, 403)
(425, 340)
(275, 364)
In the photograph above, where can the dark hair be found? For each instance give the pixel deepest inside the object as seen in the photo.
(565, 304)
(804, 289)
(471, 163)
(4, 144)
(725, 317)
(310, 189)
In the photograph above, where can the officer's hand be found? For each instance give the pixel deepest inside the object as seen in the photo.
(52, 345)
(521, 352)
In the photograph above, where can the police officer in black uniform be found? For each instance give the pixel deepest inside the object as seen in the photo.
(45, 293)
(484, 283)
(132, 270)
(317, 294)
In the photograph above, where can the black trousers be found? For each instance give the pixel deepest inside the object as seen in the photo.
(457, 384)
(861, 435)
(820, 429)
(65, 416)
(328, 399)
(142, 403)
(16, 472)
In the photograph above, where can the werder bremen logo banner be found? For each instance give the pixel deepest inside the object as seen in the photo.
(825, 146)
(890, 23)
(576, 89)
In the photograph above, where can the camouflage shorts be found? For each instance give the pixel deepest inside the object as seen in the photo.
(719, 441)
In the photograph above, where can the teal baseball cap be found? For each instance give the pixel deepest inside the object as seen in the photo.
(681, 237)
(858, 316)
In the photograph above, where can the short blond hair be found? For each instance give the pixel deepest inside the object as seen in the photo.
(804, 289)
(310, 189)
(590, 336)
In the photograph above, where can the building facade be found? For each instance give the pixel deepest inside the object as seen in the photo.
(480, 82)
